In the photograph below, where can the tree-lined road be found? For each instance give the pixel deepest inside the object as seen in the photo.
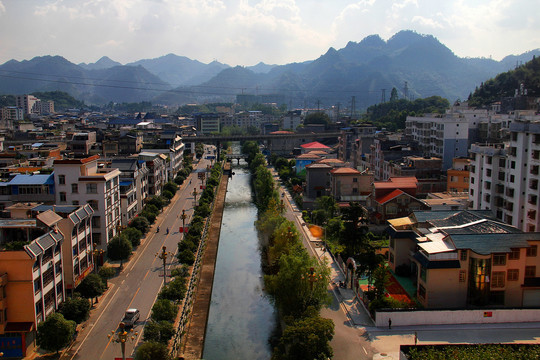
(138, 284)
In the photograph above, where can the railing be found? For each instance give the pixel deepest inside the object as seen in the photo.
(193, 281)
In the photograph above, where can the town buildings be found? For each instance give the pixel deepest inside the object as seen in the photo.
(466, 259)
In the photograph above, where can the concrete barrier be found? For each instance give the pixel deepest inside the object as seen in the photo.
(446, 317)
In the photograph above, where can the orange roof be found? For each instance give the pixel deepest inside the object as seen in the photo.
(308, 157)
(388, 197)
(345, 171)
(281, 132)
(317, 152)
(330, 161)
(397, 182)
(314, 145)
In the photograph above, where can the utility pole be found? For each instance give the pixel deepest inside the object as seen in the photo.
(406, 91)
(318, 105)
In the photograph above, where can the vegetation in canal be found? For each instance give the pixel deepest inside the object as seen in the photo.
(296, 282)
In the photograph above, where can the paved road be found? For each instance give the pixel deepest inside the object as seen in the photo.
(138, 285)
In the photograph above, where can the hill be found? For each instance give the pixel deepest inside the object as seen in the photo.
(505, 84)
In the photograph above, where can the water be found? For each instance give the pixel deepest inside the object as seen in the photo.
(241, 317)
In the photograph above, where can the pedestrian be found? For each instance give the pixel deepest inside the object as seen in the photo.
(415, 338)
(389, 324)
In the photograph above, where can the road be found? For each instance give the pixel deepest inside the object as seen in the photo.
(350, 342)
(138, 284)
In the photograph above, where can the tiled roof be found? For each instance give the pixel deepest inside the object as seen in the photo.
(397, 182)
(383, 199)
(47, 179)
(314, 145)
(308, 157)
(489, 243)
(345, 171)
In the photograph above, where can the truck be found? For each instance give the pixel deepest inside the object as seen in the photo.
(130, 317)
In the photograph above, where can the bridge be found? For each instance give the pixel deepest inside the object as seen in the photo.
(208, 139)
(237, 157)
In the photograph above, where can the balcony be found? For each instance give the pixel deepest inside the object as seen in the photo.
(535, 169)
(531, 214)
(533, 199)
(533, 184)
(510, 192)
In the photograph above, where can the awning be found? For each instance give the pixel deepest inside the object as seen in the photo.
(19, 327)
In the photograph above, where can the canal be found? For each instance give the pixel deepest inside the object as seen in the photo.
(241, 317)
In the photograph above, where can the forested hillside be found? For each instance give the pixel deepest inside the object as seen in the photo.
(505, 84)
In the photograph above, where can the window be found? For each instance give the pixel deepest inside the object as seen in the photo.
(514, 254)
(62, 197)
(423, 274)
(530, 271)
(392, 241)
(462, 275)
(497, 279)
(421, 291)
(532, 251)
(108, 185)
(499, 259)
(91, 188)
(463, 255)
(512, 275)
(75, 202)
(93, 204)
(96, 221)
(75, 188)
(355, 180)
(62, 179)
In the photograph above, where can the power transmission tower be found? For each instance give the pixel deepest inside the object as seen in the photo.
(383, 95)
(353, 107)
(406, 91)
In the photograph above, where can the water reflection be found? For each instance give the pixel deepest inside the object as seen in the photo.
(241, 317)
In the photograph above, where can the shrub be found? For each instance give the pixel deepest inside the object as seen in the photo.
(134, 235)
(151, 217)
(76, 309)
(167, 194)
(160, 332)
(186, 257)
(140, 223)
(186, 244)
(202, 210)
(164, 309)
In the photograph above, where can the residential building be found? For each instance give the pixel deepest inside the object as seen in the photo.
(387, 199)
(388, 148)
(317, 182)
(81, 143)
(157, 171)
(348, 184)
(303, 160)
(28, 188)
(207, 124)
(31, 280)
(349, 139)
(447, 201)
(458, 176)
(133, 186)
(291, 120)
(28, 103)
(81, 181)
(170, 144)
(427, 170)
(315, 145)
(466, 259)
(505, 177)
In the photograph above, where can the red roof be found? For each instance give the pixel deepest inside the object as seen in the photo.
(314, 145)
(388, 197)
(397, 182)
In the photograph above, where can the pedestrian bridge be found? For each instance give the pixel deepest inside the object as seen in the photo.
(236, 157)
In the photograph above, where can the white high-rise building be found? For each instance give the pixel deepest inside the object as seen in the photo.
(80, 181)
(505, 178)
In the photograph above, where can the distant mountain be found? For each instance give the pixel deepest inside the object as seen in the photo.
(54, 73)
(418, 66)
(103, 63)
(180, 70)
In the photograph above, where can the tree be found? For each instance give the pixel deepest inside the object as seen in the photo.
(308, 338)
(106, 272)
(157, 201)
(133, 235)
(394, 94)
(328, 204)
(170, 186)
(160, 332)
(167, 194)
(174, 290)
(152, 350)
(92, 286)
(119, 248)
(76, 309)
(150, 216)
(317, 118)
(164, 309)
(55, 332)
(140, 223)
(186, 257)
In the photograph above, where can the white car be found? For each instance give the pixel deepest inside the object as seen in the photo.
(130, 317)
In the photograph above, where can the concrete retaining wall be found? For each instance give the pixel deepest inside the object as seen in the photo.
(486, 316)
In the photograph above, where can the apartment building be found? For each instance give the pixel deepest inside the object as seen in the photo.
(458, 176)
(31, 280)
(348, 184)
(387, 148)
(208, 123)
(28, 103)
(349, 140)
(81, 143)
(157, 171)
(291, 120)
(133, 186)
(466, 259)
(81, 181)
(171, 145)
(505, 177)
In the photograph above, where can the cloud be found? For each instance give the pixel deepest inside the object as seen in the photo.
(427, 22)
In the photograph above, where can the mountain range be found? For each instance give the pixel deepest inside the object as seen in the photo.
(415, 64)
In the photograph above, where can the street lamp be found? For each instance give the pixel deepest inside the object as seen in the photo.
(195, 193)
(183, 217)
(122, 337)
(312, 277)
(163, 256)
(97, 253)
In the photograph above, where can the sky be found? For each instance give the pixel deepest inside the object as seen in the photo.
(245, 32)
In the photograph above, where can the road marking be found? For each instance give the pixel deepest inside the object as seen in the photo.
(364, 349)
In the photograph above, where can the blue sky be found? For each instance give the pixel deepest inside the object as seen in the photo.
(244, 32)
